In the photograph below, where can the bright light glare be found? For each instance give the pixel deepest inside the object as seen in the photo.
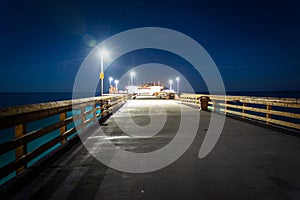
(110, 137)
(170, 81)
(132, 73)
(111, 78)
(177, 78)
(116, 81)
(104, 53)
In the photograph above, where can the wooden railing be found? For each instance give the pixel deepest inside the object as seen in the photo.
(87, 112)
(282, 112)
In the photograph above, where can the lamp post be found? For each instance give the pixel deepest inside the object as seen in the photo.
(103, 53)
(110, 80)
(132, 74)
(177, 79)
(170, 81)
(116, 82)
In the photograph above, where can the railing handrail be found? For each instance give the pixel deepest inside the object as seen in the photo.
(285, 102)
(14, 115)
(226, 105)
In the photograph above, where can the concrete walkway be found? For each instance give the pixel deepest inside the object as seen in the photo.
(248, 162)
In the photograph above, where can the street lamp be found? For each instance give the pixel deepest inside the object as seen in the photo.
(177, 79)
(116, 82)
(103, 53)
(170, 81)
(110, 80)
(132, 74)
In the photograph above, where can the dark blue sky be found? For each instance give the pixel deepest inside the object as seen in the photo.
(256, 45)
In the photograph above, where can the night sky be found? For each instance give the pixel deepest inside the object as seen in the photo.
(256, 45)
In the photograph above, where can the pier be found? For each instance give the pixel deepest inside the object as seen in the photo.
(255, 157)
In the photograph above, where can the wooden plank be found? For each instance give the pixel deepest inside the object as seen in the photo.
(103, 114)
(214, 105)
(9, 168)
(15, 115)
(95, 112)
(260, 99)
(284, 102)
(261, 110)
(268, 115)
(10, 118)
(62, 130)
(89, 120)
(273, 121)
(271, 103)
(88, 112)
(21, 150)
(82, 116)
(244, 108)
(24, 139)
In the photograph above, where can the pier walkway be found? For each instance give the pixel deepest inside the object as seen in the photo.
(248, 162)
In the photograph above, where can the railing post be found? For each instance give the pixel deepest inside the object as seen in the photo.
(95, 112)
(63, 129)
(244, 110)
(20, 130)
(113, 103)
(268, 116)
(82, 110)
(214, 105)
(107, 107)
(101, 107)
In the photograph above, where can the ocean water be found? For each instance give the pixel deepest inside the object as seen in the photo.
(14, 99)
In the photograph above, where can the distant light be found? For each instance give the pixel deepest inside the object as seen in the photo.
(116, 82)
(111, 79)
(177, 78)
(170, 81)
(132, 73)
(104, 53)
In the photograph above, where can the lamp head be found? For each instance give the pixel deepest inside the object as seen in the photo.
(104, 53)
(132, 73)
